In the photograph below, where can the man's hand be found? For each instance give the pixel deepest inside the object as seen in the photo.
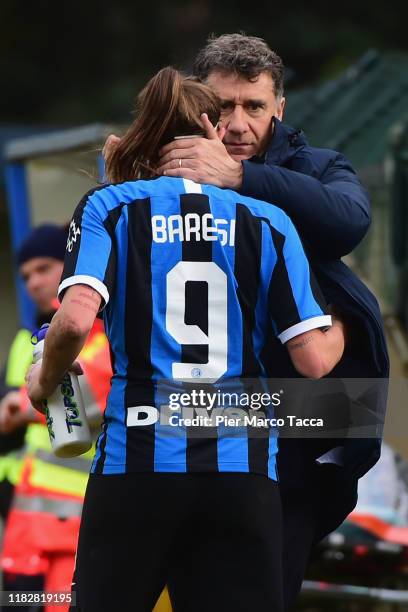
(203, 160)
(12, 416)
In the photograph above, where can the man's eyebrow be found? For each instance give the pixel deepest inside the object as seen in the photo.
(255, 101)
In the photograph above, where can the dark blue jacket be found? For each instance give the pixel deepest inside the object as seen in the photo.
(321, 193)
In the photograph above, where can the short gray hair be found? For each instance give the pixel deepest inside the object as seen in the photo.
(246, 56)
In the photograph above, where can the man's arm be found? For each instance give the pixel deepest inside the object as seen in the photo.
(65, 338)
(331, 213)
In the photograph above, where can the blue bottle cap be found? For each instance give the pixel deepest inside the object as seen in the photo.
(39, 334)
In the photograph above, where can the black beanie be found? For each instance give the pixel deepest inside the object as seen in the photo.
(44, 241)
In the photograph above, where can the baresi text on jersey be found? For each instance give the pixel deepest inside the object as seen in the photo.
(193, 227)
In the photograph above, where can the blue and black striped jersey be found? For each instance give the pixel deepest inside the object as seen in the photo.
(192, 279)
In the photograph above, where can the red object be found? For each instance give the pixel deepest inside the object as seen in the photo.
(41, 542)
(361, 550)
(379, 528)
(31, 537)
(59, 578)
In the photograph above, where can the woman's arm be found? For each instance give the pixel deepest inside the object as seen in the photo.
(65, 338)
(315, 353)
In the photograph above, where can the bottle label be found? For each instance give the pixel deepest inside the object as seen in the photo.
(49, 420)
(71, 407)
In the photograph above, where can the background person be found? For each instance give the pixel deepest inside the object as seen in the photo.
(43, 514)
(168, 290)
(40, 261)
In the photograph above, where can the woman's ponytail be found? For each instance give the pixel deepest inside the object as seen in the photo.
(170, 104)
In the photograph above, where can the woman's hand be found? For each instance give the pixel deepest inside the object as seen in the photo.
(339, 320)
(37, 391)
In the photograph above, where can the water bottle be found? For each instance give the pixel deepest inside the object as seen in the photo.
(64, 411)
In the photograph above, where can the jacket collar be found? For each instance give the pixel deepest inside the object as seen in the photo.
(285, 142)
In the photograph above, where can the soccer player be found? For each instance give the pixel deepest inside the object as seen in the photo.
(190, 279)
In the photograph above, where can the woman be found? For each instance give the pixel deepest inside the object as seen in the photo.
(191, 280)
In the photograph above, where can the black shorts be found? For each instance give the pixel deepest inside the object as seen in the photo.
(214, 538)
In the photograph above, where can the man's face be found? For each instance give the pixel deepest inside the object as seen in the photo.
(247, 111)
(42, 276)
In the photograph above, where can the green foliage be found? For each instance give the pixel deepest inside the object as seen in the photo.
(71, 62)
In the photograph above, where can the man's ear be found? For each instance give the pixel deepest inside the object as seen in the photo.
(281, 107)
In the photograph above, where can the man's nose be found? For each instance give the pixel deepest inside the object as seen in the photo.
(33, 283)
(237, 122)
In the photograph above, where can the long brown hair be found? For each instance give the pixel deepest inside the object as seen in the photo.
(170, 105)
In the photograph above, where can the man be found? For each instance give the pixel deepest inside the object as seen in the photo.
(40, 262)
(43, 515)
(263, 158)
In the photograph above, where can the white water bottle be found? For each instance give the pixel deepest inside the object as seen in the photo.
(64, 411)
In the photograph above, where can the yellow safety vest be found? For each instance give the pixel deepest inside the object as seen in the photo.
(62, 476)
(68, 476)
(19, 360)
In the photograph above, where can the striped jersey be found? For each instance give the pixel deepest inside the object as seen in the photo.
(193, 279)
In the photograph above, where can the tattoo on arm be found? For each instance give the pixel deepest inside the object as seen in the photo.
(91, 307)
(301, 344)
(93, 296)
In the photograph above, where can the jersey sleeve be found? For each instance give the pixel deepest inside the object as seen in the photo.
(296, 302)
(90, 254)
